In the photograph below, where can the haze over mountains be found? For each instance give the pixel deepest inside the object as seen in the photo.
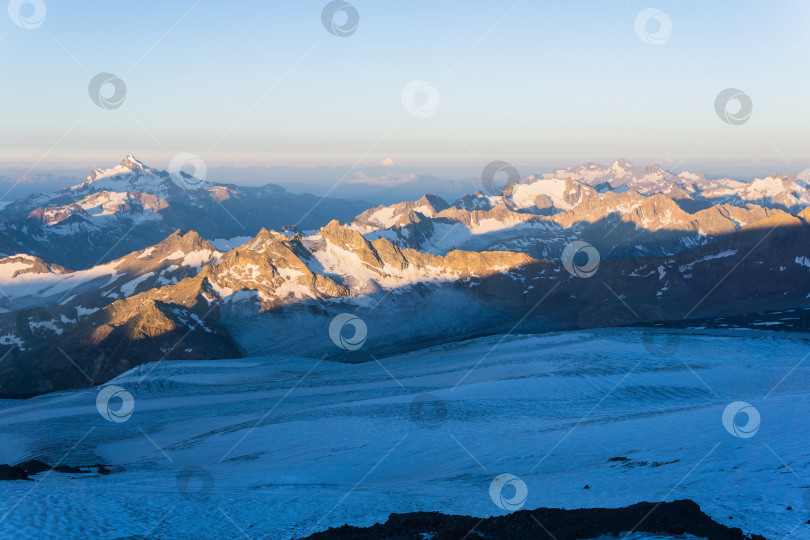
(131, 265)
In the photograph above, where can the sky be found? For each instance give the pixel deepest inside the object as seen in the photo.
(539, 84)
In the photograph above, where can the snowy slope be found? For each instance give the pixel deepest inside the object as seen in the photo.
(295, 445)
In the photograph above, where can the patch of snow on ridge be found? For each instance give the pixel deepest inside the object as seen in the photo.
(332, 260)
(291, 286)
(386, 217)
(221, 290)
(764, 188)
(722, 254)
(146, 253)
(12, 339)
(48, 284)
(242, 295)
(7, 269)
(83, 311)
(687, 175)
(128, 288)
(524, 195)
(726, 253)
(425, 210)
(492, 225)
(201, 257)
(50, 325)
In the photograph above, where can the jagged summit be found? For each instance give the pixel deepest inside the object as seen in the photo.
(646, 180)
(434, 201)
(132, 163)
(128, 168)
(386, 216)
(189, 237)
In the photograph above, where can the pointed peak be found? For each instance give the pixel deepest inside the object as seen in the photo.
(193, 236)
(435, 201)
(342, 235)
(264, 234)
(333, 226)
(265, 237)
(621, 163)
(190, 237)
(132, 163)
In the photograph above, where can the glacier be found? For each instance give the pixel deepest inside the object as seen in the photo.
(281, 446)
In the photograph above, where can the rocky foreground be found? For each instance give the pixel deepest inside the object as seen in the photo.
(667, 518)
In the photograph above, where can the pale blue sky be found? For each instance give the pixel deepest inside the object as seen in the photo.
(532, 82)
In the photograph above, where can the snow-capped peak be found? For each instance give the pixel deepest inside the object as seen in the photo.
(621, 164)
(132, 163)
(128, 167)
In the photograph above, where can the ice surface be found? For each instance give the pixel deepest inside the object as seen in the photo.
(295, 445)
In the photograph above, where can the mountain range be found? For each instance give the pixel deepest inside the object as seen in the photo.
(127, 207)
(223, 271)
